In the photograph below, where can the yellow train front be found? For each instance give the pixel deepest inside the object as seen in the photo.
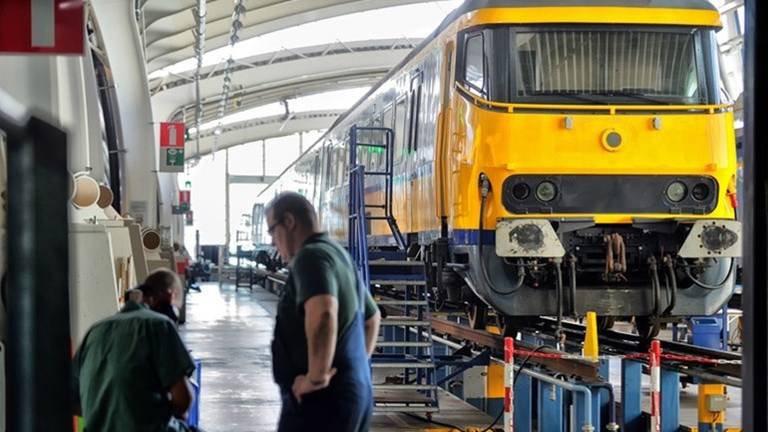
(554, 157)
(592, 160)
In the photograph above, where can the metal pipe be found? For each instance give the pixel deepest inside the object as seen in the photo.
(559, 287)
(568, 386)
(199, 50)
(572, 277)
(612, 425)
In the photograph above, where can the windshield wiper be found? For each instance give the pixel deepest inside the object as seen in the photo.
(637, 96)
(582, 97)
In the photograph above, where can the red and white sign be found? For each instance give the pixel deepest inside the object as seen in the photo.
(171, 135)
(42, 26)
(184, 197)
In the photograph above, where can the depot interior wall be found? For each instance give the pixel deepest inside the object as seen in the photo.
(124, 50)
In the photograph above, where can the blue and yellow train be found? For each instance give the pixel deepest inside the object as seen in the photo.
(554, 157)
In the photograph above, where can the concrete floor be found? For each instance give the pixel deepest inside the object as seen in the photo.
(231, 333)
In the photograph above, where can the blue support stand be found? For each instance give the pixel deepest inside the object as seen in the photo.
(523, 404)
(725, 328)
(670, 401)
(551, 413)
(631, 396)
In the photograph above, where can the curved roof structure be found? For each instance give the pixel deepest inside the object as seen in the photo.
(168, 26)
(265, 69)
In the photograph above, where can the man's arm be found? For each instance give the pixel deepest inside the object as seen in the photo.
(181, 397)
(372, 332)
(320, 325)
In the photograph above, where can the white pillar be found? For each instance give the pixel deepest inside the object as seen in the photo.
(126, 60)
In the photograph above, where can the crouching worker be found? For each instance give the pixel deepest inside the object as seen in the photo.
(131, 371)
(326, 327)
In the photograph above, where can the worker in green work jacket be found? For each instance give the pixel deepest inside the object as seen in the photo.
(131, 370)
(326, 328)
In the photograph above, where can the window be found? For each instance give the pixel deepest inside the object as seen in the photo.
(415, 109)
(621, 63)
(590, 64)
(474, 66)
(400, 118)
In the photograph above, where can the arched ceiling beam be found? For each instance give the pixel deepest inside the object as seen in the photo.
(342, 66)
(169, 38)
(265, 128)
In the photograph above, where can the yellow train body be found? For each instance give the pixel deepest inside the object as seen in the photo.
(455, 140)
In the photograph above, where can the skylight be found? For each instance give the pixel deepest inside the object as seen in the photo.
(413, 21)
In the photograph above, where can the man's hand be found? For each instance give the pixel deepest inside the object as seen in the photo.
(303, 384)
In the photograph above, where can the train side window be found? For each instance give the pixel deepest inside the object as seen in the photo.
(387, 119)
(415, 110)
(474, 63)
(401, 114)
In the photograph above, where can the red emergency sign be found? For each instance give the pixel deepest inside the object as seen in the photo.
(42, 26)
(172, 135)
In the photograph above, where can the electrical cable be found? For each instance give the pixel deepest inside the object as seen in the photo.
(670, 280)
(707, 286)
(434, 422)
(514, 381)
(485, 188)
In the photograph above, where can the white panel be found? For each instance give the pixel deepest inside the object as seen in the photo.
(475, 382)
(93, 290)
(693, 247)
(121, 248)
(527, 238)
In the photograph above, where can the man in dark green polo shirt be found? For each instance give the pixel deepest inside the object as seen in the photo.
(131, 370)
(326, 326)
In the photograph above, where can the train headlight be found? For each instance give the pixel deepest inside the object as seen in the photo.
(546, 191)
(521, 191)
(676, 191)
(700, 192)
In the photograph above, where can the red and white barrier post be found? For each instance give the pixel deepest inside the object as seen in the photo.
(509, 384)
(655, 366)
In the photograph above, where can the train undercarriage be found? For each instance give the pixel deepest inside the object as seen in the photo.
(642, 272)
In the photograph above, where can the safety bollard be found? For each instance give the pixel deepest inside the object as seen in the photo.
(509, 384)
(655, 366)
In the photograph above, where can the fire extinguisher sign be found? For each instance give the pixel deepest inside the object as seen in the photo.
(171, 147)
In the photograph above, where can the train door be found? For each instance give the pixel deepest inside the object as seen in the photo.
(399, 203)
(442, 151)
(413, 164)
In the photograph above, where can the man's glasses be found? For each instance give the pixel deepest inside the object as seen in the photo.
(271, 228)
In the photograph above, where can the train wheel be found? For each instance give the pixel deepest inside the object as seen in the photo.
(647, 327)
(478, 315)
(605, 323)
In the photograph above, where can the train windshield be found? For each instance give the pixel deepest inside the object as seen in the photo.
(592, 66)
